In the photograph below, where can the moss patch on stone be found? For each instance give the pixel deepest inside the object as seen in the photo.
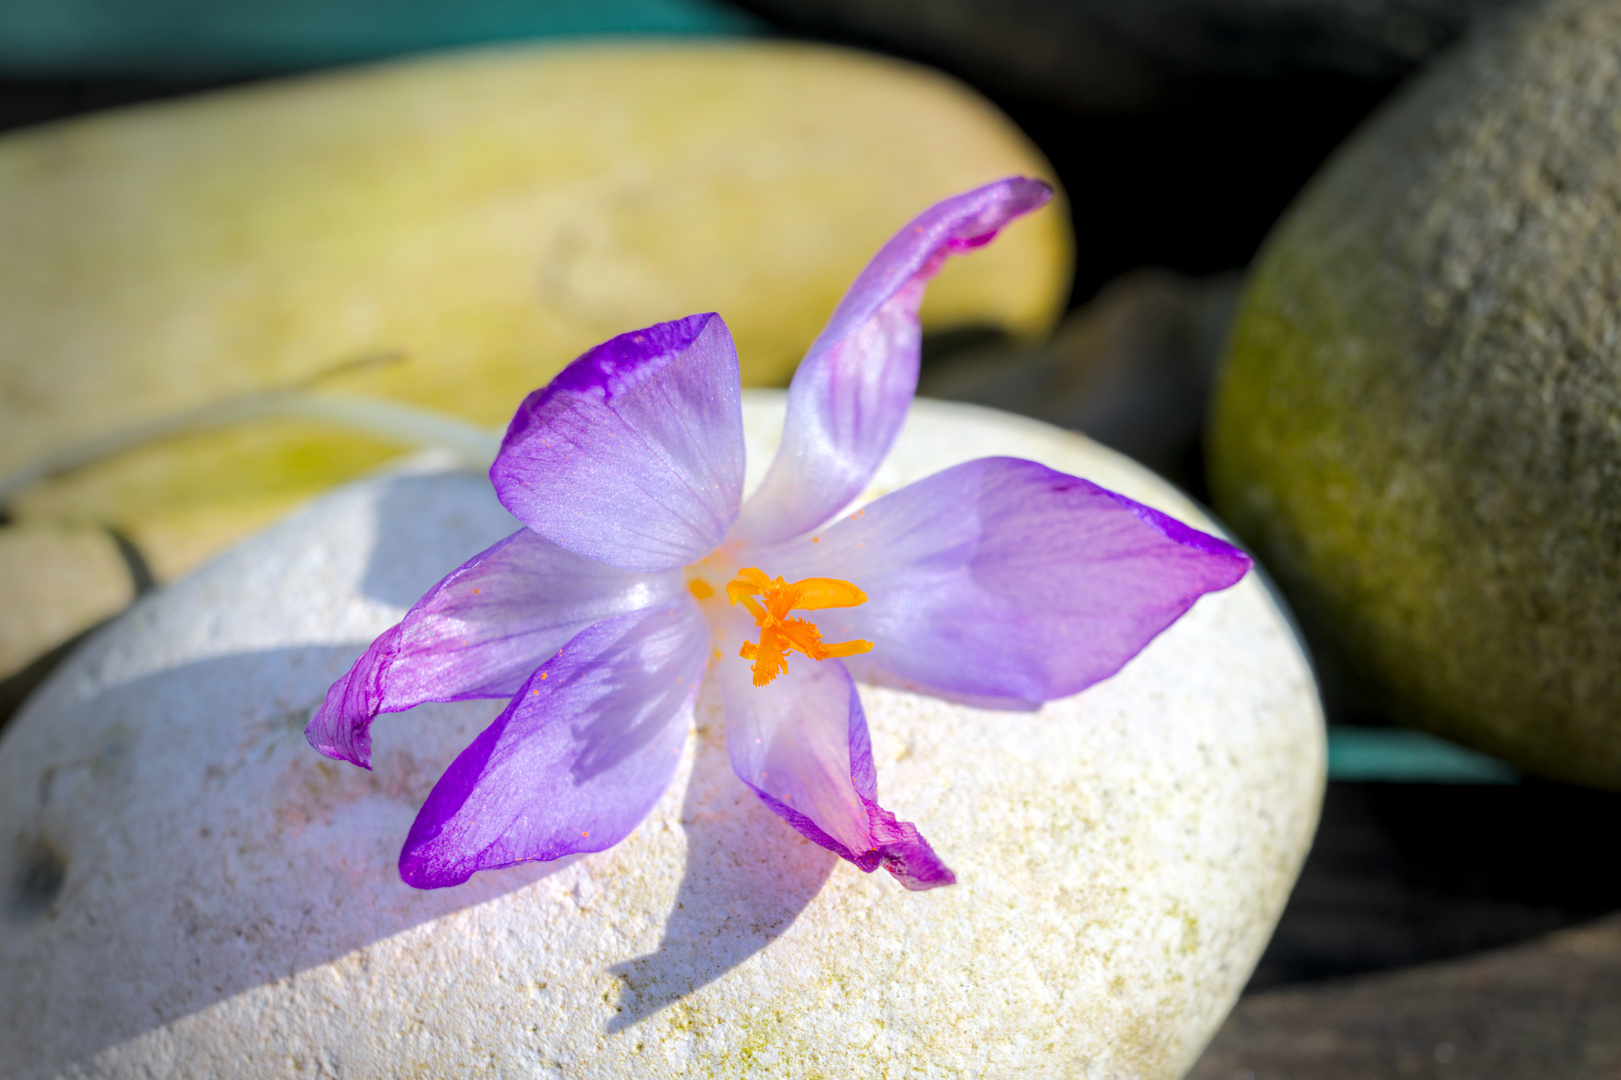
(1419, 420)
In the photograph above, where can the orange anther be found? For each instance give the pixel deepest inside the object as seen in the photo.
(778, 631)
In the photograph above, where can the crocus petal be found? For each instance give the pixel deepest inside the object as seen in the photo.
(1004, 581)
(576, 760)
(851, 392)
(479, 633)
(633, 454)
(801, 743)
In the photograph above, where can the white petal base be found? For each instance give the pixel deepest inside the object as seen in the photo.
(191, 891)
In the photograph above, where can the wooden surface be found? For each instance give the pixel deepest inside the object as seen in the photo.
(1441, 931)
(1547, 1008)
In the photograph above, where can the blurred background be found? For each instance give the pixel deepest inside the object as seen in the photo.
(1179, 131)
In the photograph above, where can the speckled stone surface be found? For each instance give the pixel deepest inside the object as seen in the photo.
(1419, 425)
(193, 891)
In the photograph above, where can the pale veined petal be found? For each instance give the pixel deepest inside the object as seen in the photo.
(479, 633)
(852, 391)
(1004, 581)
(576, 760)
(801, 743)
(633, 454)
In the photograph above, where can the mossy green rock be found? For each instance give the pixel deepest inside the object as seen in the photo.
(1419, 422)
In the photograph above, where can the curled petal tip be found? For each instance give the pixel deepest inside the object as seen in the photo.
(997, 204)
(340, 726)
(360, 758)
(902, 851)
(804, 749)
(1037, 191)
(851, 393)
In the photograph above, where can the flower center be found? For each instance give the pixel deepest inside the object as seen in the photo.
(779, 632)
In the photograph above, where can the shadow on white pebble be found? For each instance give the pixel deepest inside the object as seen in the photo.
(193, 891)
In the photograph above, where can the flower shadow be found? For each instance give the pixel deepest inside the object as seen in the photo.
(421, 519)
(747, 878)
(747, 874)
(271, 859)
(621, 724)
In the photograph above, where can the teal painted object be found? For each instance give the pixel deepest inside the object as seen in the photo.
(244, 37)
(1400, 756)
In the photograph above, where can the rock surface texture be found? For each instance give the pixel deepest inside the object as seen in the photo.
(1419, 424)
(193, 891)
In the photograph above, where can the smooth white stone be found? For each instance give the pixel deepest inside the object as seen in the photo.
(230, 905)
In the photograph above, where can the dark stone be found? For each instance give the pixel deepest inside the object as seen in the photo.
(1132, 369)
(1403, 874)
(1544, 1009)
(1139, 54)
(1417, 426)
(24, 102)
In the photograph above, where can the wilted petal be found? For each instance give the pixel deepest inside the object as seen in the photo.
(801, 743)
(479, 633)
(633, 454)
(851, 392)
(1005, 581)
(576, 760)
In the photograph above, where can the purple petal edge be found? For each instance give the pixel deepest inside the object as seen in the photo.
(970, 220)
(851, 393)
(478, 633)
(898, 846)
(612, 367)
(901, 848)
(1186, 535)
(577, 758)
(633, 454)
(1006, 582)
(341, 726)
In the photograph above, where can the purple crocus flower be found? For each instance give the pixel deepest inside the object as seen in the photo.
(641, 572)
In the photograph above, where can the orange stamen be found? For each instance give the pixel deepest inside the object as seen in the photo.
(778, 631)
